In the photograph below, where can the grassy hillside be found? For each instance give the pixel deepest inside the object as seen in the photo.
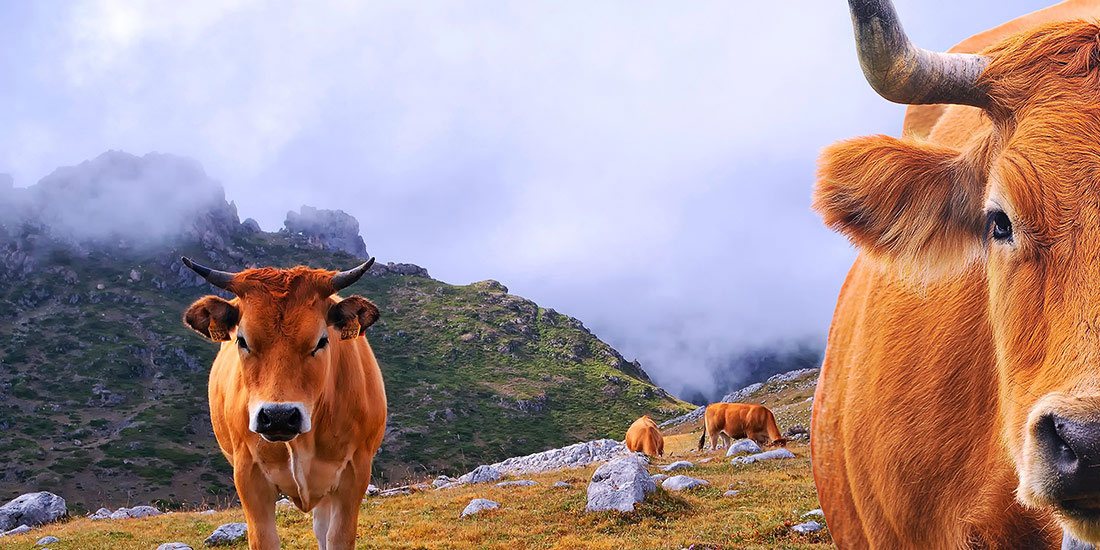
(103, 390)
(772, 496)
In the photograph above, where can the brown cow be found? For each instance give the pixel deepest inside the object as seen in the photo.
(739, 420)
(296, 396)
(644, 437)
(959, 401)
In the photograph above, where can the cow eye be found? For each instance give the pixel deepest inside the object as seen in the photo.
(1000, 227)
(320, 345)
(241, 343)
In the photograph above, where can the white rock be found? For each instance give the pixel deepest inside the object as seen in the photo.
(562, 485)
(17, 531)
(767, 455)
(174, 546)
(32, 509)
(743, 446)
(47, 540)
(731, 493)
(226, 534)
(817, 512)
(479, 505)
(102, 513)
(808, 527)
(373, 490)
(659, 478)
(518, 483)
(481, 474)
(135, 512)
(681, 482)
(706, 460)
(208, 512)
(678, 465)
(577, 455)
(619, 485)
(283, 503)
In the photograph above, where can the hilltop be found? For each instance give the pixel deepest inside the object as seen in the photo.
(103, 390)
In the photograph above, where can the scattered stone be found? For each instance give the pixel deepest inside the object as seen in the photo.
(659, 478)
(768, 455)
(678, 465)
(519, 483)
(208, 512)
(743, 446)
(817, 512)
(32, 509)
(399, 491)
(619, 485)
(174, 546)
(283, 503)
(17, 531)
(481, 474)
(443, 480)
(808, 527)
(373, 490)
(102, 513)
(682, 482)
(562, 485)
(226, 534)
(47, 540)
(706, 460)
(731, 493)
(135, 512)
(479, 505)
(577, 455)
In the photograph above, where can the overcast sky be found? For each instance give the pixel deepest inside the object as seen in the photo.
(643, 166)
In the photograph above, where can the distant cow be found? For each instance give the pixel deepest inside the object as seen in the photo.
(739, 420)
(644, 436)
(296, 396)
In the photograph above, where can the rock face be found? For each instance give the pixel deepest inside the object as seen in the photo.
(680, 483)
(32, 509)
(478, 505)
(226, 534)
(768, 455)
(743, 446)
(619, 485)
(327, 229)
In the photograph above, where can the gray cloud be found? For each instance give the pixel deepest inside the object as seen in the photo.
(645, 166)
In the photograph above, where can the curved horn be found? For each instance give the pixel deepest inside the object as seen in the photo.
(220, 279)
(904, 73)
(347, 278)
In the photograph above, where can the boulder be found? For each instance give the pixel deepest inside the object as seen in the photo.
(47, 540)
(478, 505)
(17, 531)
(678, 465)
(135, 512)
(681, 482)
(283, 503)
(577, 455)
(659, 478)
(768, 455)
(743, 446)
(226, 534)
(517, 483)
(102, 513)
(481, 474)
(619, 485)
(32, 509)
(174, 546)
(808, 527)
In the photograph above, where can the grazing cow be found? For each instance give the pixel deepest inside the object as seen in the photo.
(644, 437)
(959, 400)
(739, 420)
(296, 396)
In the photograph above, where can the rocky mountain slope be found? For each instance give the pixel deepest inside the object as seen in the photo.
(103, 390)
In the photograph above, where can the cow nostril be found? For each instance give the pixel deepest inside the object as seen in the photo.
(295, 418)
(262, 418)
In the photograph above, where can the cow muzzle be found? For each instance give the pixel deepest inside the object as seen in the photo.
(278, 422)
(1061, 466)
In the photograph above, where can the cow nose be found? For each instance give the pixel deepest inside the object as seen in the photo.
(278, 422)
(1073, 448)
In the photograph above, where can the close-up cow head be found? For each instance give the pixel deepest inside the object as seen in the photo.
(1017, 207)
(285, 325)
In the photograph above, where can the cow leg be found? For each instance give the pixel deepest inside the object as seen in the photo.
(713, 435)
(344, 504)
(258, 500)
(726, 440)
(322, 519)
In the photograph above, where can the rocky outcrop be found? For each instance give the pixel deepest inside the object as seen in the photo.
(577, 455)
(327, 230)
(32, 509)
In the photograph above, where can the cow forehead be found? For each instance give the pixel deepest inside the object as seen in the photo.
(283, 303)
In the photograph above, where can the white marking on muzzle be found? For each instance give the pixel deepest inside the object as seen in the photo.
(254, 411)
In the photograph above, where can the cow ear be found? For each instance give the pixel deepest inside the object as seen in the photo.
(915, 205)
(212, 317)
(352, 316)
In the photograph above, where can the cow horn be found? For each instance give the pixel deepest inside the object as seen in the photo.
(220, 279)
(904, 73)
(347, 278)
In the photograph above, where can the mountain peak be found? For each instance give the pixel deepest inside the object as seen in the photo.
(327, 229)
